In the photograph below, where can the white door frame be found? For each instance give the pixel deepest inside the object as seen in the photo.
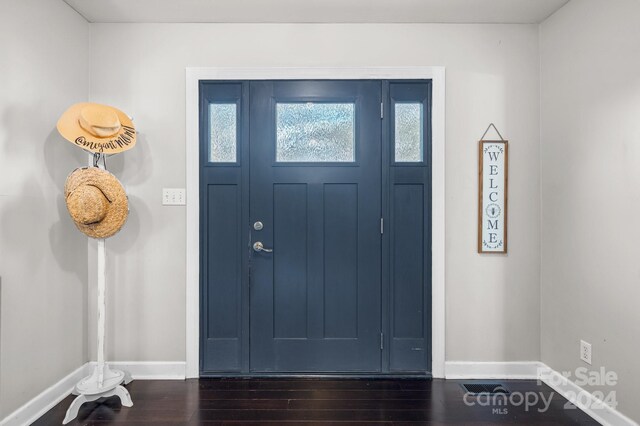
(193, 77)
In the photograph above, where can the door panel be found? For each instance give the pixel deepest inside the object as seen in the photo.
(290, 262)
(410, 230)
(223, 239)
(315, 301)
(223, 235)
(341, 260)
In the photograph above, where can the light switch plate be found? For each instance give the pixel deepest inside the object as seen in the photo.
(173, 197)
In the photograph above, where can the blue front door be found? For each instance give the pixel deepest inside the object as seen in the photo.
(315, 237)
(315, 186)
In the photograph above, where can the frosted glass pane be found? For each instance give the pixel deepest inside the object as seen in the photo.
(222, 119)
(408, 137)
(315, 132)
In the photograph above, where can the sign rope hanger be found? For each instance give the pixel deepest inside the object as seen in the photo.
(487, 131)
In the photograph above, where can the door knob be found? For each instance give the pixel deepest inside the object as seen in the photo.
(258, 246)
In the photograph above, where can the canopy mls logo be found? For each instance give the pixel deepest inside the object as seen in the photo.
(493, 202)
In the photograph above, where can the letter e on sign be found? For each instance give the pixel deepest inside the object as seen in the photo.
(492, 196)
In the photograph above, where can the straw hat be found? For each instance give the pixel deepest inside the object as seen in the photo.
(97, 128)
(96, 202)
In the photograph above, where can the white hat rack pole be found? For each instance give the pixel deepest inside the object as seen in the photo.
(102, 286)
(103, 382)
(102, 307)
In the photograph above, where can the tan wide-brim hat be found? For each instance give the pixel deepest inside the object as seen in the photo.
(97, 128)
(96, 202)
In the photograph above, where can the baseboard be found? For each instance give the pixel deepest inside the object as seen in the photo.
(139, 370)
(583, 399)
(151, 370)
(492, 370)
(47, 399)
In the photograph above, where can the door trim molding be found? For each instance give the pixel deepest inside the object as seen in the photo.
(193, 77)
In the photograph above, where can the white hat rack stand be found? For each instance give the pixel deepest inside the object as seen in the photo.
(103, 382)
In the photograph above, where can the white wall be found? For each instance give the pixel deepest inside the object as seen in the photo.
(586, 163)
(43, 258)
(492, 75)
(590, 158)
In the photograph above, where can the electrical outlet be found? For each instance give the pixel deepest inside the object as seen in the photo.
(173, 197)
(585, 351)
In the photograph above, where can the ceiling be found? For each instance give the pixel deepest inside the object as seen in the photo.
(318, 11)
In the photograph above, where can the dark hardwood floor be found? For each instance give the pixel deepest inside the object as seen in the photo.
(321, 401)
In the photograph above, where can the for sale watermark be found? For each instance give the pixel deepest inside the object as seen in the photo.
(540, 400)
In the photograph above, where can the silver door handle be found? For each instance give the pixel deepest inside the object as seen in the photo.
(258, 246)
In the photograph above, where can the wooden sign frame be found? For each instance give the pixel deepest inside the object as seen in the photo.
(493, 213)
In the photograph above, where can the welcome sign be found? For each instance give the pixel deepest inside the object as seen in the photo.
(492, 200)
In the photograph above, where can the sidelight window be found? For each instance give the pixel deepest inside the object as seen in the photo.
(409, 125)
(223, 132)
